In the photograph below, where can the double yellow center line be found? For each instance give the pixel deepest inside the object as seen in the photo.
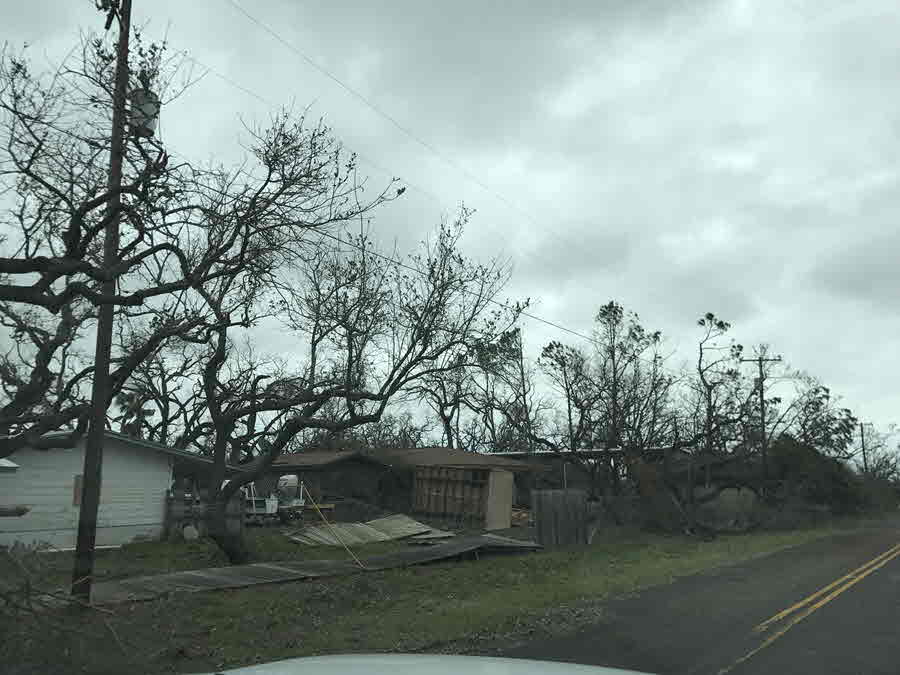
(800, 610)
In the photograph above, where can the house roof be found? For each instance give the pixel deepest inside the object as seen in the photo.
(6, 466)
(592, 453)
(318, 459)
(312, 460)
(181, 456)
(449, 457)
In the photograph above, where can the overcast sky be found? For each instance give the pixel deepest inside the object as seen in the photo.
(682, 157)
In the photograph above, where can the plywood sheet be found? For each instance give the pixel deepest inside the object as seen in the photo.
(380, 529)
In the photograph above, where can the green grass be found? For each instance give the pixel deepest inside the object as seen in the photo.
(412, 609)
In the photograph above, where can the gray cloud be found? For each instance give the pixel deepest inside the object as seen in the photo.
(681, 157)
(864, 271)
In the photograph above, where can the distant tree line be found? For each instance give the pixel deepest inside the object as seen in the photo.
(621, 391)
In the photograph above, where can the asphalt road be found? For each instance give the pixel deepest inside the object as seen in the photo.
(832, 606)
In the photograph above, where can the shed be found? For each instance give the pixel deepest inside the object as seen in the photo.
(136, 477)
(468, 488)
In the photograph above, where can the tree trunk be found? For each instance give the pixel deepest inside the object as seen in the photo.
(615, 480)
(447, 422)
(568, 393)
(231, 543)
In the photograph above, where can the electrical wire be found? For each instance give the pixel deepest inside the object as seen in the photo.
(449, 161)
(262, 99)
(393, 261)
(255, 95)
(418, 139)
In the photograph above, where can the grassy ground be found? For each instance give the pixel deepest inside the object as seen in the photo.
(430, 607)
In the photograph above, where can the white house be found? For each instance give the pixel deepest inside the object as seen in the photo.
(136, 476)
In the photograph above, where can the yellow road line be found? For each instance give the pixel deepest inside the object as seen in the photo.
(782, 614)
(880, 562)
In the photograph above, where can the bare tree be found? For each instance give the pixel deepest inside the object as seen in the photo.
(485, 428)
(369, 331)
(392, 430)
(525, 411)
(187, 231)
(883, 458)
(648, 403)
(446, 393)
(621, 342)
(814, 418)
(166, 386)
(717, 376)
(569, 370)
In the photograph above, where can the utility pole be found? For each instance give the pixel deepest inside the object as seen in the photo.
(83, 570)
(862, 437)
(760, 360)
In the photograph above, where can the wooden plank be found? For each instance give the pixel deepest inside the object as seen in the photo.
(458, 489)
(421, 491)
(417, 491)
(398, 526)
(432, 535)
(435, 506)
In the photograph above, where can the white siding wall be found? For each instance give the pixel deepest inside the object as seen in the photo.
(132, 497)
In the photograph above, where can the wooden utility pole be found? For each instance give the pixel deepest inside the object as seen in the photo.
(764, 447)
(862, 438)
(83, 570)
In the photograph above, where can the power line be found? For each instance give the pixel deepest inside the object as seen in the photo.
(262, 99)
(393, 261)
(378, 110)
(259, 97)
(415, 137)
(410, 268)
(529, 315)
(425, 144)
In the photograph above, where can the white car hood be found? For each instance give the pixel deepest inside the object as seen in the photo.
(417, 664)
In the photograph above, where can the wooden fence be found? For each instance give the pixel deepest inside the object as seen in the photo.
(182, 511)
(561, 517)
